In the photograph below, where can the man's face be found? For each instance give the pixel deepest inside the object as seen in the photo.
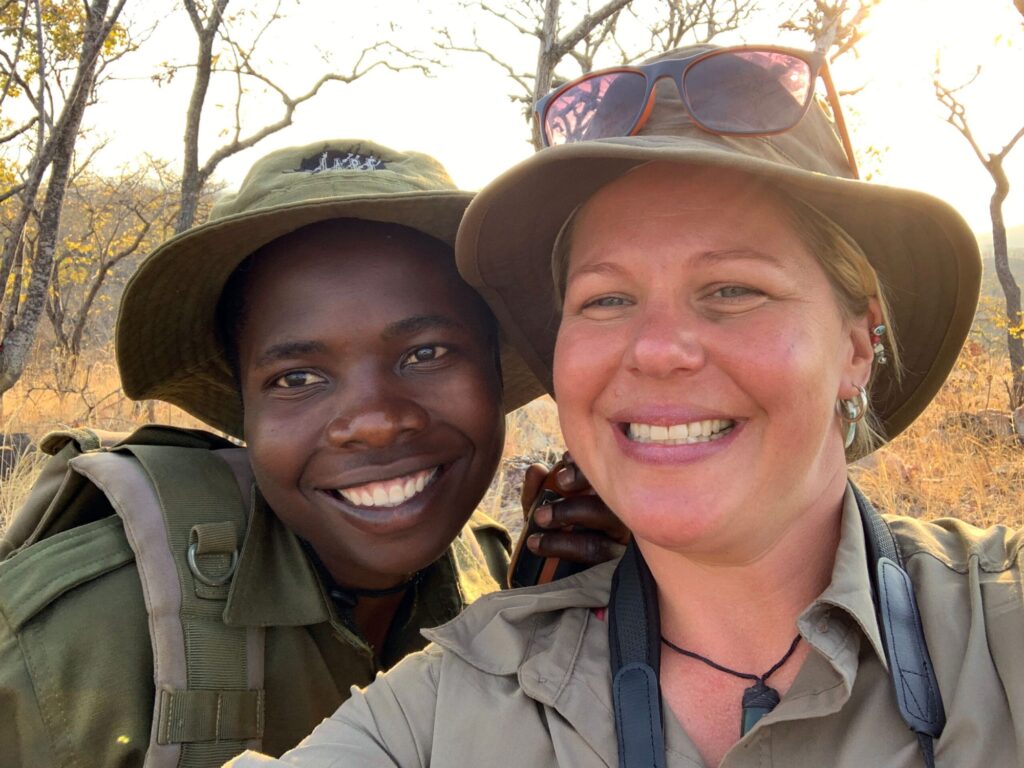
(372, 400)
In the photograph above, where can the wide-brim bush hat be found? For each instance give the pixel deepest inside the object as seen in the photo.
(924, 253)
(168, 345)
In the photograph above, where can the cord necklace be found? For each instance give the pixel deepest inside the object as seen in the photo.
(760, 698)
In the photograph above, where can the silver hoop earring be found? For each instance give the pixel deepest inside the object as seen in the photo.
(851, 411)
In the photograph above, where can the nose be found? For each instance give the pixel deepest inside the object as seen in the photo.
(666, 342)
(379, 418)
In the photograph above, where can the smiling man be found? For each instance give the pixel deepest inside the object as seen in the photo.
(319, 317)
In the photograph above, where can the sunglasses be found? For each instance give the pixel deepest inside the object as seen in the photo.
(739, 91)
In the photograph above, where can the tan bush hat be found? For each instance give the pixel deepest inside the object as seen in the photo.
(167, 342)
(924, 253)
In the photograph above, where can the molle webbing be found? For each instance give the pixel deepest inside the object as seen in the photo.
(184, 518)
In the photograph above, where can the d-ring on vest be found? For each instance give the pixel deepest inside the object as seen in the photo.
(634, 639)
(184, 498)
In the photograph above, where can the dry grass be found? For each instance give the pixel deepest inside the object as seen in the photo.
(950, 462)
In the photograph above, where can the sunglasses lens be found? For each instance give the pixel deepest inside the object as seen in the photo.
(595, 108)
(748, 91)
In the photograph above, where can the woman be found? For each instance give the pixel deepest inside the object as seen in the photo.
(726, 333)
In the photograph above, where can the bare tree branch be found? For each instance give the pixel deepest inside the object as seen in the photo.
(587, 24)
(993, 163)
(243, 71)
(19, 131)
(957, 116)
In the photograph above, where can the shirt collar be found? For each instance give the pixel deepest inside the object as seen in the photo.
(275, 584)
(850, 589)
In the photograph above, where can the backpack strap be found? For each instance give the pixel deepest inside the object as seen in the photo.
(906, 652)
(184, 517)
(633, 634)
(634, 639)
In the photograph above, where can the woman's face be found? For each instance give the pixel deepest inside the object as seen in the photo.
(372, 399)
(699, 359)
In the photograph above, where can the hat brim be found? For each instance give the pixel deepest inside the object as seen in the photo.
(167, 343)
(925, 254)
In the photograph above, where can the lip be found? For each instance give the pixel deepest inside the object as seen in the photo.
(384, 521)
(661, 454)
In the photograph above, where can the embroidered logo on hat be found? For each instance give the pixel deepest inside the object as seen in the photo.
(337, 160)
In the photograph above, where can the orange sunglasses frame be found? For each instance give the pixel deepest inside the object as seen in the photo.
(816, 61)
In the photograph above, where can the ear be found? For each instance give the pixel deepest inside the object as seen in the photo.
(862, 352)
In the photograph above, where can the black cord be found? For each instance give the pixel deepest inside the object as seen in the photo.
(745, 675)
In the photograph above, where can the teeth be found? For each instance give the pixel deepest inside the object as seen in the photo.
(681, 434)
(388, 493)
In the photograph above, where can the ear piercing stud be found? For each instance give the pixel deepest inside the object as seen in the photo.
(876, 344)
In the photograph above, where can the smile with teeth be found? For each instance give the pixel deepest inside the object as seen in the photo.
(387, 493)
(680, 434)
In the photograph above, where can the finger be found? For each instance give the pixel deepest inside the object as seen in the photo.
(532, 480)
(584, 512)
(570, 479)
(575, 546)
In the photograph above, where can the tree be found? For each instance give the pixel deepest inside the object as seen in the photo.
(992, 162)
(576, 33)
(60, 48)
(835, 26)
(237, 60)
(106, 222)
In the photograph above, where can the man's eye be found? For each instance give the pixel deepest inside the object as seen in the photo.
(425, 354)
(294, 379)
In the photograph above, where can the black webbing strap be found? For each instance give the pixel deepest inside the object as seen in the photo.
(634, 639)
(906, 652)
(635, 643)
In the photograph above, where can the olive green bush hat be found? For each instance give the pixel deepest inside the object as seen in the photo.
(168, 347)
(924, 253)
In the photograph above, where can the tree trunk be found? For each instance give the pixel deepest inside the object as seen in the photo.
(191, 180)
(16, 345)
(1000, 249)
(547, 59)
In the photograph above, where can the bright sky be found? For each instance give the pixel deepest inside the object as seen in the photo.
(464, 117)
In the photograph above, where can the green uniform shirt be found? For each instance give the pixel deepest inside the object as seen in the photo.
(76, 666)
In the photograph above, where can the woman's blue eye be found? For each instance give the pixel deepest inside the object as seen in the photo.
(294, 379)
(735, 292)
(425, 354)
(607, 301)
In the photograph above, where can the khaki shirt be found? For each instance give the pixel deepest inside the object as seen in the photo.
(76, 666)
(522, 678)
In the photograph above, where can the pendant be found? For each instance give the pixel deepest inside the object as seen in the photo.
(758, 700)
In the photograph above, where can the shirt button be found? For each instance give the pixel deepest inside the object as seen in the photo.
(822, 626)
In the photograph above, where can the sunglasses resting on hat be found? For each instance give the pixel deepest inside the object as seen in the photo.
(737, 91)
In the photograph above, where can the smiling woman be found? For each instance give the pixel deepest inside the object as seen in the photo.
(709, 309)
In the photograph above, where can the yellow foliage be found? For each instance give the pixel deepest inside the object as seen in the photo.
(63, 25)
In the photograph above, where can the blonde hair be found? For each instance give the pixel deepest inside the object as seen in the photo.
(854, 283)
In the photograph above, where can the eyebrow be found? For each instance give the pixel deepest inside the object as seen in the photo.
(612, 269)
(739, 253)
(417, 323)
(288, 349)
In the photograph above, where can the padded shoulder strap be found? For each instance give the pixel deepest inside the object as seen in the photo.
(633, 635)
(906, 652)
(184, 518)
